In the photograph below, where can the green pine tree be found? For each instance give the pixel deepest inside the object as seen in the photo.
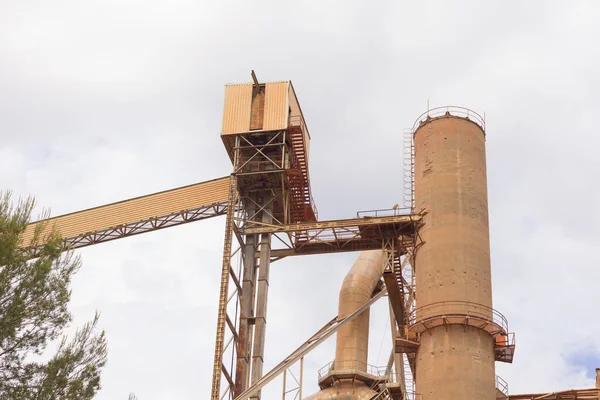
(34, 294)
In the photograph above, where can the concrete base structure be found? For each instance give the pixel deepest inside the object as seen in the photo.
(344, 391)
(452, 354)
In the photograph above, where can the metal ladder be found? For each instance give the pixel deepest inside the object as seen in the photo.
(408, 167)
(218, 367)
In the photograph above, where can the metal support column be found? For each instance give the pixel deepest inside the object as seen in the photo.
(262, 299)
(323, 334)
(301, 383)
(244, 344)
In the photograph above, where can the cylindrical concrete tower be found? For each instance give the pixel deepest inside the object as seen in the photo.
(455, 359)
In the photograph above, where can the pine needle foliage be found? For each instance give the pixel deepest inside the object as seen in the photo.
(34, 294)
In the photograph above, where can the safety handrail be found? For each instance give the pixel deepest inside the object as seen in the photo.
(298, 120)
(507, 340)
(450, 110)
(354, 365)
(501, 385)
(458, 308)
(385, 212)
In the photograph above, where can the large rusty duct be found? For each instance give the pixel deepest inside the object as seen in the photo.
(348, 377)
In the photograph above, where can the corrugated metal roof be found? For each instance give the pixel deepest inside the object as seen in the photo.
(236, 111)
(276, 106)
(136, 209)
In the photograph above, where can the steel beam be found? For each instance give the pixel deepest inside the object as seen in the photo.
(341, 224)
(323, 334)
(261, 302)
(244, 343)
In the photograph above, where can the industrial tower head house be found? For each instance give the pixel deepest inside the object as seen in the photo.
(431, 259)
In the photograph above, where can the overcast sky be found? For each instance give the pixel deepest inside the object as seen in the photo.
(105, 100)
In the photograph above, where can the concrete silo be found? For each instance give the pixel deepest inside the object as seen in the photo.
(457, 327)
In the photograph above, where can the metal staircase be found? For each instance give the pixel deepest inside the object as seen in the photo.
(383, 395)
(302, 204)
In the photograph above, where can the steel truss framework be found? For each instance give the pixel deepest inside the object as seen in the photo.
(262, 203)
(269, 197)
(297, 355)
(249, 228)
(258, 207)
(258, 187)
(242, 305)
(295, 390)
(336, 236)
(250, 224)
(138, 227)
(261, 214)
(397, 382)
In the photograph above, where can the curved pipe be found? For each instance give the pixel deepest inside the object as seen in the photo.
(352, 342)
